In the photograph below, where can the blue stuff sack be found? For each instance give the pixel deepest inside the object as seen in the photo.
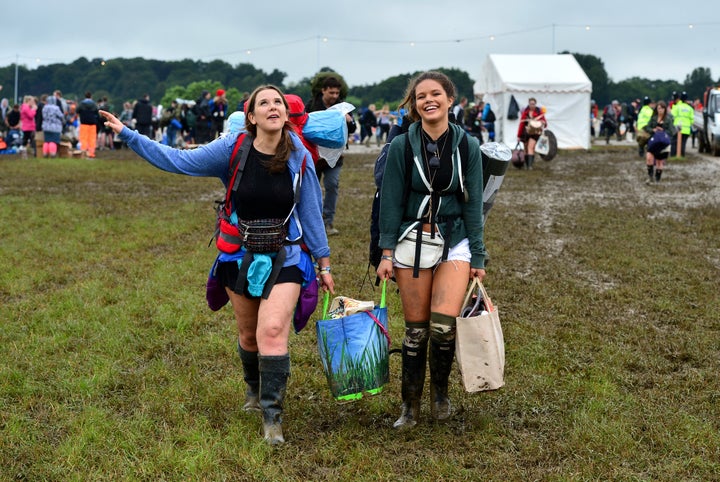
(326, 128)
(659, 141)
(355, 351)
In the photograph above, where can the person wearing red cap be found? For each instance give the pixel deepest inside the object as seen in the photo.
(218, 111)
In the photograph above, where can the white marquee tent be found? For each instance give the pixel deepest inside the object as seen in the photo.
(557, 82)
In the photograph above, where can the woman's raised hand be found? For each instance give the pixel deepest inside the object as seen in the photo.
(112, 122)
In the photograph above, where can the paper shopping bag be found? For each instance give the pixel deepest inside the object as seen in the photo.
(479, 344)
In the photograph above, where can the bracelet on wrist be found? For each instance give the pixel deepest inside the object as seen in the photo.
(385, 256)
(325, 269)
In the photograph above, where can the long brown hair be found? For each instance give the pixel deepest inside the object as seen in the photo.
(409, 100)
(278, 162)
(665, 111)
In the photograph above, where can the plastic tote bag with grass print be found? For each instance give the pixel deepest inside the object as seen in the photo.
(354, 346)
(479, 344)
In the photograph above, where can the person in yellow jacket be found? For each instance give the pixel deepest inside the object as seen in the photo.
(643, 118)
(684, 114)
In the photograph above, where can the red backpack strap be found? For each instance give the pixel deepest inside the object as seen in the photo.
(236, 166)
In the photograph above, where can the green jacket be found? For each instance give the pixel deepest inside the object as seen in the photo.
(396, 222)
(668, 124)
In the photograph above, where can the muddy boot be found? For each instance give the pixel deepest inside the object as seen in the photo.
(529, 159)
(251, 375)
(658, 175)
(442, 354)
(274, 372)
(651, 173)
(414, 358)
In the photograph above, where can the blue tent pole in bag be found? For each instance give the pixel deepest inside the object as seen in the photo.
(354, 350)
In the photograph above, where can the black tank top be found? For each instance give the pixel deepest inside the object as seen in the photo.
(263, 195)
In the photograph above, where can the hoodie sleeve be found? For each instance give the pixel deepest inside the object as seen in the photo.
(310, 212)
(209, 160)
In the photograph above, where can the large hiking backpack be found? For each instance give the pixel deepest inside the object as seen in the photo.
(374, 251)
(228, 238)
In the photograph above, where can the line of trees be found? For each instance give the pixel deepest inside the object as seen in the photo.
(123, 80)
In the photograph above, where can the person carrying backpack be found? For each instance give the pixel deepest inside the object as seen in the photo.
(263, 286)
(442, 209)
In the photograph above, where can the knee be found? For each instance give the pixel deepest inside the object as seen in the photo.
(248, 340)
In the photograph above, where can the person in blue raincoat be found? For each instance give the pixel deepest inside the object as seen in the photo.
(266, 190)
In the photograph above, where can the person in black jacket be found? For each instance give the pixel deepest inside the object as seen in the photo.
(367, 122)
(87, 111)
(203, 119)
(142, 113)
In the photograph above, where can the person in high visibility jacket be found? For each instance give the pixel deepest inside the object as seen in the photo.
(643, 118)
(684, 115)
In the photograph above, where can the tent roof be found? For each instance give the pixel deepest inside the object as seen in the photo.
(534, 73)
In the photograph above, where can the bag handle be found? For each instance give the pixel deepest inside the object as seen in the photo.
(476, 283)
(379, 325)
(326, 304)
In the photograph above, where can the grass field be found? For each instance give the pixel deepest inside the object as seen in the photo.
(113, 368)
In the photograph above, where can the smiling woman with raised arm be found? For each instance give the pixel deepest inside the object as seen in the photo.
(430, 206)
(263, 286)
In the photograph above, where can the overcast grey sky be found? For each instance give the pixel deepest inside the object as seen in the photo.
(369, 40)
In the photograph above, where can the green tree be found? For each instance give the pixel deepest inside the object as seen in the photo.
(595, 70)
(697, 81)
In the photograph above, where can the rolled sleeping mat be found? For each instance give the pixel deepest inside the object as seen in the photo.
(495, 158)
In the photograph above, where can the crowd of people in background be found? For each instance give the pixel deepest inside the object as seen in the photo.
(621, 120)
(41, 124)
(661, 128)
(476, 118)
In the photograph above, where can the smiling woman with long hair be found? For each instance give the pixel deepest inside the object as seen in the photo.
(436, 198)
(262, 288)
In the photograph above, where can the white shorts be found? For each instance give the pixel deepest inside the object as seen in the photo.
(460, 252)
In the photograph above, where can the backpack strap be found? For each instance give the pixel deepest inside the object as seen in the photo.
(461, 193)
(464, 154)
(236, 167)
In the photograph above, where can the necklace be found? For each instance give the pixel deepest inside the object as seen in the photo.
(431, 154)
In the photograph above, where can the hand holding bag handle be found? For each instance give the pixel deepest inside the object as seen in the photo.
(326, 304)
(476, 283)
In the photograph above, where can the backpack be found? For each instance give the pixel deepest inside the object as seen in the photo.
(228, 237)
(490, 117)
(191, 118)
(227, 234)
(374, 251)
